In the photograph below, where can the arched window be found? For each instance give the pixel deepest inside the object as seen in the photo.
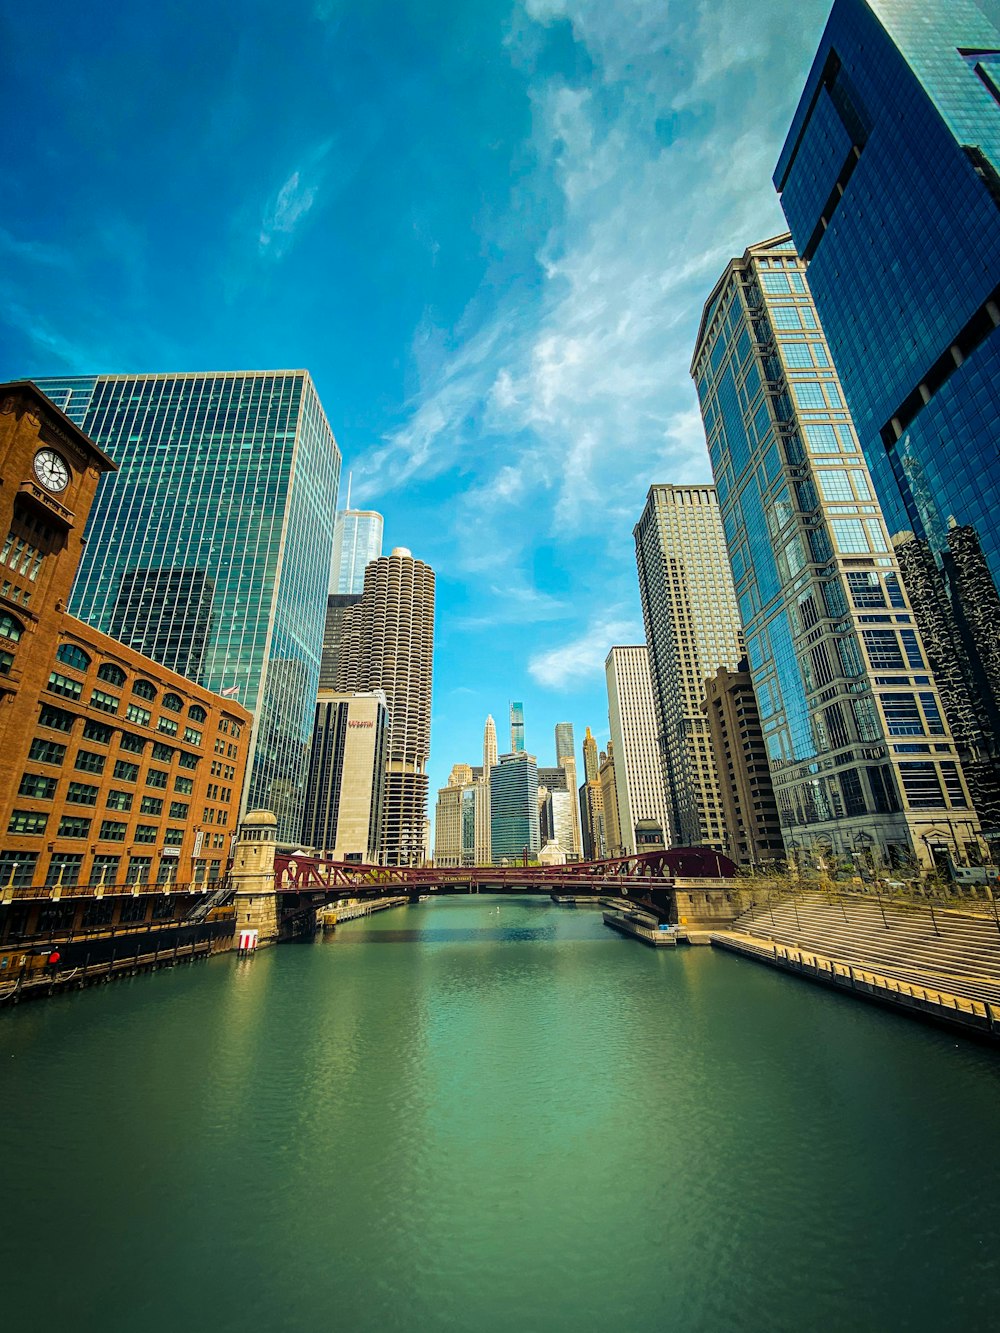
(173, 702)
(73, 656)
(144, 689)
(114, 675)
(10, 628)
(196, 713)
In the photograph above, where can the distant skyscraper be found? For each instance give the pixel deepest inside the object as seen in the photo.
(589, 758)
(388, 644)
(638, 771)
(211, 546)
(357, 541)
(346, 787)
(860, 753)
(462, 820)
(517, 728)
(692, 628)
(514, 808)
(890, 181)
(566, 759)
(592, 820)
(489, 746)
(609, 803)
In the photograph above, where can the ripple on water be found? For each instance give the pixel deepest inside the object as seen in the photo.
(530, 1124)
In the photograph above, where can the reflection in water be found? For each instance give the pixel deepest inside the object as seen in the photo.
(452, 935)
(511, 1123)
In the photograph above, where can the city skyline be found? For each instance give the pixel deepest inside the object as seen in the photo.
(474, 385)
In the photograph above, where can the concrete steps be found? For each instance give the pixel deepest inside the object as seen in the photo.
(957, 952)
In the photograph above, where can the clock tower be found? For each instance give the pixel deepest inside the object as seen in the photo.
(49, 470)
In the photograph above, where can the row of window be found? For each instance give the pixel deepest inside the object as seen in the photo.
(57, 719)
(90, 761)
(35, 823)
(19, 868)
(72, 655)
(42, 788)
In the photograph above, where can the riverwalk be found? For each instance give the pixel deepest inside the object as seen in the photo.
(331, 917)
(977, 1017)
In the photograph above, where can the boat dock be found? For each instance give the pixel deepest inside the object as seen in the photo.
(642, 927)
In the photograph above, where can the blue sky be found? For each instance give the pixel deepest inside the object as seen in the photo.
(486, 228)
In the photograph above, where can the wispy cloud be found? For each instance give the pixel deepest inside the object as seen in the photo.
(33, 252)
(290, 205)
(662, 177)
(568, 665)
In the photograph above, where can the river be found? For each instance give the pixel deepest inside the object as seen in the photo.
(499, 1116)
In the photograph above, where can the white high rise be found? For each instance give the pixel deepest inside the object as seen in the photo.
(357, 541)
(638, 771)
(692, 628)
(489, 746)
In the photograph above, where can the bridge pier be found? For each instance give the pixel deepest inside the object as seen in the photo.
(252, 877)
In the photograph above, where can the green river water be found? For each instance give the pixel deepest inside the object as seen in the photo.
(492, 1115)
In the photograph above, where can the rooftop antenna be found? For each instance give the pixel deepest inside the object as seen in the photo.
(348, 505)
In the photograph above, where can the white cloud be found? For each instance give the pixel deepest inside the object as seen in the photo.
(568, 665)
(292, 202)
(557, 412)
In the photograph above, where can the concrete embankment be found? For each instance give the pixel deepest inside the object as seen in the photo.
(976, 1017)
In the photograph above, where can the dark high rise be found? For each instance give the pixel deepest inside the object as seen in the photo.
(889, 180)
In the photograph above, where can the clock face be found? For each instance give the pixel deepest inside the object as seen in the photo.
(51, 470)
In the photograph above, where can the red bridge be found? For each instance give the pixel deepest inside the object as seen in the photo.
(647, 877)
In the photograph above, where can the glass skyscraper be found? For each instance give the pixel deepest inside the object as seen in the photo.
(514, 807)
(889, 181)
(357, 541)
(862, 761)
(517, 728)
(210, 549)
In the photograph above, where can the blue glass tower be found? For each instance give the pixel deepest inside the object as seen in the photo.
(889, 180)
(862, 762)
(210, 549)
(514, 807)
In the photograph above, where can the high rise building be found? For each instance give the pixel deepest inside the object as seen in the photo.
(590, 806)
(890, 181)
(566, 759)
(962, 652)
(861, 757)
(357, 541)
(589, 758)
(609, 802)
(333, 636)
(753, 830)
(346, 787)
(592, 820)
(638, 770)
(489, 746)
(117, 771)
(517, 728)
(388, 644)
(462, 820)
(514, 808)
(692, 628)
(211, 545)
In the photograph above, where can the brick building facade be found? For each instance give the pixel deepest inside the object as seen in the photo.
(117, 771)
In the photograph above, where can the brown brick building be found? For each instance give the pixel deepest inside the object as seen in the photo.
(116, 771)
(749, 810)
